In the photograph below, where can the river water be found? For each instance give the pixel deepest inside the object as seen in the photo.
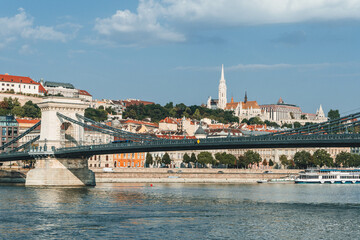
(181, 211)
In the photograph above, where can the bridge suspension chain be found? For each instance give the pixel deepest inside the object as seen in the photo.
(20, 136)
(25, 144)
(97, 129)
(319, 126)
(126, 133)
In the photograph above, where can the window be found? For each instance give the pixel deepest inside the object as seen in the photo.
(107, 157)
(29, 87)
(7, 84)
(24, 86)
(4, 131)
(34, 87)
(15, 131)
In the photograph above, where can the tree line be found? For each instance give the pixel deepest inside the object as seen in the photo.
(320, 158)
(156, 112)
(12, 106)
(205, 159)
(301, 160)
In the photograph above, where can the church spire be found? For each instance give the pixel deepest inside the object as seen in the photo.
(222, 74)
(245, 99)
(222, 90)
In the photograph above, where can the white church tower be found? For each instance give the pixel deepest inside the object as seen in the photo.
(222, 90)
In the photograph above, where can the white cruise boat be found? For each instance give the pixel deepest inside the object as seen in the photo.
(332, 176)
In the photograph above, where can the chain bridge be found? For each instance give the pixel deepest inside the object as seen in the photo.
(66, 164)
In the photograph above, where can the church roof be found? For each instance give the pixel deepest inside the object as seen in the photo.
(250, 104)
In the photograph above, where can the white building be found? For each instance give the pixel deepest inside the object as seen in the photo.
(222, 100)
(19, 84)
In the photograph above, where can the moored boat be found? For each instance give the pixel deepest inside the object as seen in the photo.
(332, 176)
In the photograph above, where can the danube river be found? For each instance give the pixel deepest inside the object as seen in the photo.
(181, 211)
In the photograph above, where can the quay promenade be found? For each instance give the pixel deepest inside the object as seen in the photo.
(168, 175)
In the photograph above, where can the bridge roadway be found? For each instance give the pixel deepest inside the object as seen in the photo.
(294, 141)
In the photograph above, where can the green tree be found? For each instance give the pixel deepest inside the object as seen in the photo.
(225, 159)
(303, 160)
(166, 159)
(149, 160)
(255, 120)
(322, 158)
(193, 158)
(343, 159)
(205, 158)
(252, 157)
(271, 163)
(18, 111)
(31, 110)
(245, 121)
(97, 115)
(241, 162)
(197, 114)
(284, 161)
(333, 114)
(186, 158)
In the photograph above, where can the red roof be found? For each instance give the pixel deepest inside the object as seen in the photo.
(140, 123)
(17, 79)
(130, 102)
(83, 92)
(41, 88)
(21, 79)
(34, 121)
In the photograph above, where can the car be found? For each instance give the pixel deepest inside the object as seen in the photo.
(268, 172)
(179, 171)
(221, 172)
(107, 169)
(170, 171)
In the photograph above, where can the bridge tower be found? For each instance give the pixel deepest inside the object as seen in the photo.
(57, 133)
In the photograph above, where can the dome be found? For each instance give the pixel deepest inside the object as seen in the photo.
(115, 123)
(200, 132)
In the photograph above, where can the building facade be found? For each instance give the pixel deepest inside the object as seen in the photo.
(20, 84)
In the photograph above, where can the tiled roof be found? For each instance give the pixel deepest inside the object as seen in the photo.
(130, 102)
(170, 120)
(141, 123)
(250, 104)
(83, 92)
(17, 79)
(33, 121)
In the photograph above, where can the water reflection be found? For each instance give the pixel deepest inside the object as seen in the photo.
(181, 211)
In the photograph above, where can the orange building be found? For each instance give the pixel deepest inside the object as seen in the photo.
(129, 160)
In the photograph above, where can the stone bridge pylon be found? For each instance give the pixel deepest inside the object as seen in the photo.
(57, 133)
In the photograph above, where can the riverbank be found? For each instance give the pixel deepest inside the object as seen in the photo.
(189, 175)
(167, 175)
(13, 175)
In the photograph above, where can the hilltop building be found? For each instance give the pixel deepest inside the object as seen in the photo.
(20, 84)
(222, 100)
(280, 113)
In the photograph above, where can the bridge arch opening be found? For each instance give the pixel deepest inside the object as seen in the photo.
(68, 135)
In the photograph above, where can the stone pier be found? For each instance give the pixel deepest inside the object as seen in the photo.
(57, 133)
(60, 172)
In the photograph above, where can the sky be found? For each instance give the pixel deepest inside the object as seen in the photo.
(305, 51)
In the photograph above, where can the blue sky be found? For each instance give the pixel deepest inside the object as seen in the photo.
(306, 52)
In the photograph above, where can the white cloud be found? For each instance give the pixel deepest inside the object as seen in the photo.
(142, 27)
(26, 50)
(171, 20)
(22, 26)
